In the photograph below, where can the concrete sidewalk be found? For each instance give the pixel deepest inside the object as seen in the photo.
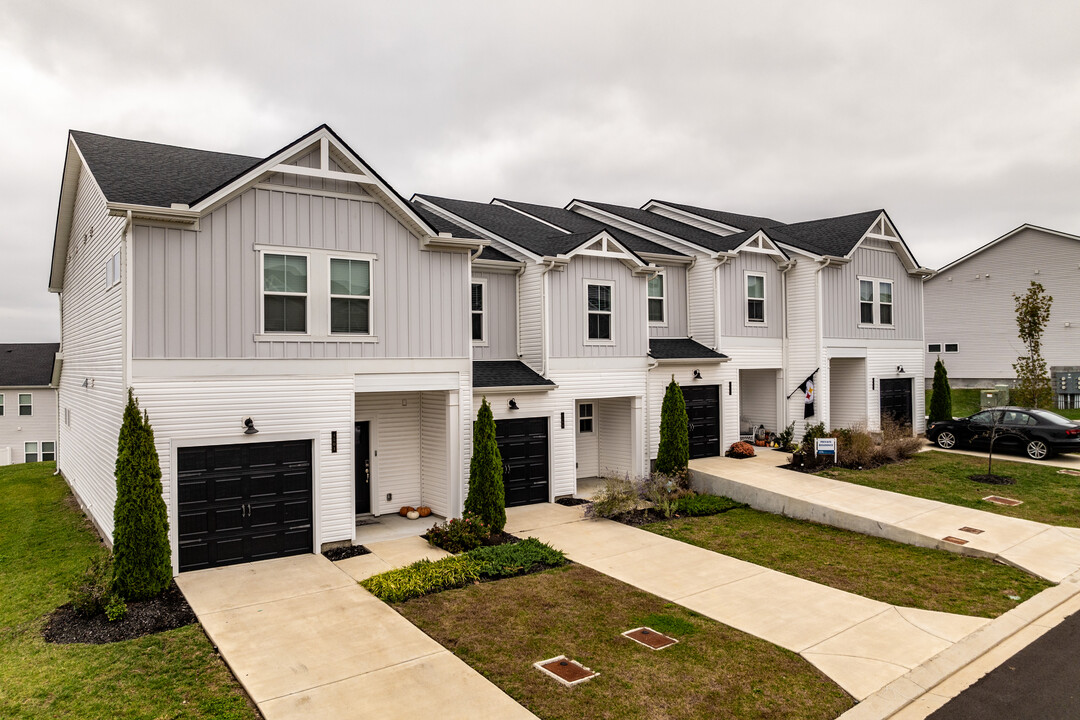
(306, 641)
(861, 644)
(1052, 553)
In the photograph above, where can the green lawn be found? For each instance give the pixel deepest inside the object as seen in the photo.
(1048, 496)
(45, 542)
(966, 402)
(872, 567)
(502, 628)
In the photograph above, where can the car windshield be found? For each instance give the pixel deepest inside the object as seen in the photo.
(1052, 417)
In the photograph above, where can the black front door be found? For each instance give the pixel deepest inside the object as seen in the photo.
(896, 400)
(703, 412)
(243, 502)
(362, 461)
(523, 445)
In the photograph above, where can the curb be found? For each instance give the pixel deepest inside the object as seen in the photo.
(907, 689)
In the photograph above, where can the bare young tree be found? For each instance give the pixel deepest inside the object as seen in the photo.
(1033, 388)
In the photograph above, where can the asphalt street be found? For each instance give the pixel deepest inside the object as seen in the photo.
(1041, 681)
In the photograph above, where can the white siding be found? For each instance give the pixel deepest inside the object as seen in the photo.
(530, 315)
(757, 400)
(701, 284)
(435, 451)
(16, 430)
(91, 383)
(847, 393)
(588, 444)
(803, 353)
(396, 444)
(616, 435)
(501, 311)
(882, 362)
(210, 411)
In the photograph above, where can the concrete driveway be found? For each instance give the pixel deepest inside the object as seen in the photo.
(306, 641)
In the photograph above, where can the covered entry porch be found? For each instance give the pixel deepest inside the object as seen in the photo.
(760, 403)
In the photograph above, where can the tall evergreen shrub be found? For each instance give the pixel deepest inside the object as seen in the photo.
(673, 455)
(487, 497)
(941, 394)
(143, 566)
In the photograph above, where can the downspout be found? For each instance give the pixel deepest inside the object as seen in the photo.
(544, 330)
(686, 283)
(785, 268)
(721, 261)
(56, 448)
(819, 321)
(517, 300)
(125, 308)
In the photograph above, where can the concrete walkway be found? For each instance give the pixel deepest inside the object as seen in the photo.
(1051, 552)
(861, 644)
(306, 641)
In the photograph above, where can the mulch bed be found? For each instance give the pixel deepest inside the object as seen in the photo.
(501, 538)
(571, 501)
(993, 479)
(168, 611)
(637, 518)
(340, 553)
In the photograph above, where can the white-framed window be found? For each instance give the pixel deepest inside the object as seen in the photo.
(875, 302)
(478, 309)
(285, 290)
(48, 451)
(585, 418)
(657, 300)
(598, 310)
(30, 452)
(1, 404)
(350, 296)
(26, 404)
(952, 347)
(112, 270)
(755, 298)
(933, 347)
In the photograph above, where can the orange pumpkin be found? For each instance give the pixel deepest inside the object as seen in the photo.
(424, 510)
(403, 512)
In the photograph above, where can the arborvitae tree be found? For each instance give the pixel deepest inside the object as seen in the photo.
(941, 395)
(673, 455)
(143, 566)
(487, 497)
(1033, 388)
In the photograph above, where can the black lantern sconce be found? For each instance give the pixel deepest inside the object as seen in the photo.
(249, 427)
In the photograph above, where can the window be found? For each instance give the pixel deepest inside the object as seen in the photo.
(952, 347)
(350, 296)
(1, 404)
(933, 348)
(755, 299)
(48, 451)
(479, 290)
(875, 302)
(30, 453)
(585, 418)
(284, 293)
(657, 314)
(599, 311)
(112, 270)
(26, 404)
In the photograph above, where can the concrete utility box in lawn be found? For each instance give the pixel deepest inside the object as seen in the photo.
(997, 397)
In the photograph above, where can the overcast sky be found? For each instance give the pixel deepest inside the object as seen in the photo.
(962, 119)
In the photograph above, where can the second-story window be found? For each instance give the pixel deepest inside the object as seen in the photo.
(479, 291)
(885, 302)
(112, 270)
(755, 299)
(350, 296)
(599, 310)
(1, 404)
(26, 404)
(285, 286)
(875, 302)
(657, 311)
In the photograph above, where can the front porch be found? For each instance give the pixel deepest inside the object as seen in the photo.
(759, 403)
(391, 526)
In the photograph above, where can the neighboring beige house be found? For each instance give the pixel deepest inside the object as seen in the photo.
(27, 402)
(971, 314)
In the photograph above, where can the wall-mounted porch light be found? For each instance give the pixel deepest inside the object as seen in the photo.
(697, 374)
(512, 404)
(249, 426)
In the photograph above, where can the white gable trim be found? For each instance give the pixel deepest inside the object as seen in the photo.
(761, 243)
(529, 215)
(882, 229)
(727, 229)
(603, 245)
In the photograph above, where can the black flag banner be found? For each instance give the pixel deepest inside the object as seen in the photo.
(807, 389)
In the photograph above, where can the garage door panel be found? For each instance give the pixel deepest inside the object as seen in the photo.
(297, 512)
(225, 489)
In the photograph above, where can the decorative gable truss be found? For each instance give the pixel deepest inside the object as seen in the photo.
(603, 245)
(761, 243)
(883, 236)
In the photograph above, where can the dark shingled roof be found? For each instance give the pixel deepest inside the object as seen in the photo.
(697, 236)
(441, 224)
(680, 349)
(145, 173)
(27, 364)
(577, 223)
(735, 220)
(490, 253)
(828, 236)
(506, 373)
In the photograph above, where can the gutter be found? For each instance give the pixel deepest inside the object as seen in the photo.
(515, 388)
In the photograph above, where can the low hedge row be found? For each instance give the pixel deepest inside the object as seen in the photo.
(425, 577)
(697, 505)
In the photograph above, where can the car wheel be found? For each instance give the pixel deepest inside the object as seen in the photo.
(1038, 450)
(946, 440)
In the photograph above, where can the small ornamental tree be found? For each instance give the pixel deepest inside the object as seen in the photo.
(941, 395)
(487, 497)
(1033, 388)
(143, 565)
(673, 455)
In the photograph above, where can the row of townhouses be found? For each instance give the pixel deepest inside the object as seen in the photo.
(312, 347)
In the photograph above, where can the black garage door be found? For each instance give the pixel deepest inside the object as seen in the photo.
(523, 444)
(896, 400)
(246, 502)
(703, 411)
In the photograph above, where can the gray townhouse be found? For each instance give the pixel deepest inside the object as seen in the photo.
(27, 402)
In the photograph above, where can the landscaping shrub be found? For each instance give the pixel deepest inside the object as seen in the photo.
(143, 563)
(741, 450)
(856, 448)
(673, 454)
(662, 491)
(786, 440)
(617, 496)
(518, 558)
(699, 505)
(459, 534)
(93, 592)
(941, 396)
(487, 496)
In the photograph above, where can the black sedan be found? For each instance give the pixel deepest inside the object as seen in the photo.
(1037, 433)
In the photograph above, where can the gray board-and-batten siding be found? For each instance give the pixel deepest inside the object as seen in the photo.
(197, 294)
(840, 297)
